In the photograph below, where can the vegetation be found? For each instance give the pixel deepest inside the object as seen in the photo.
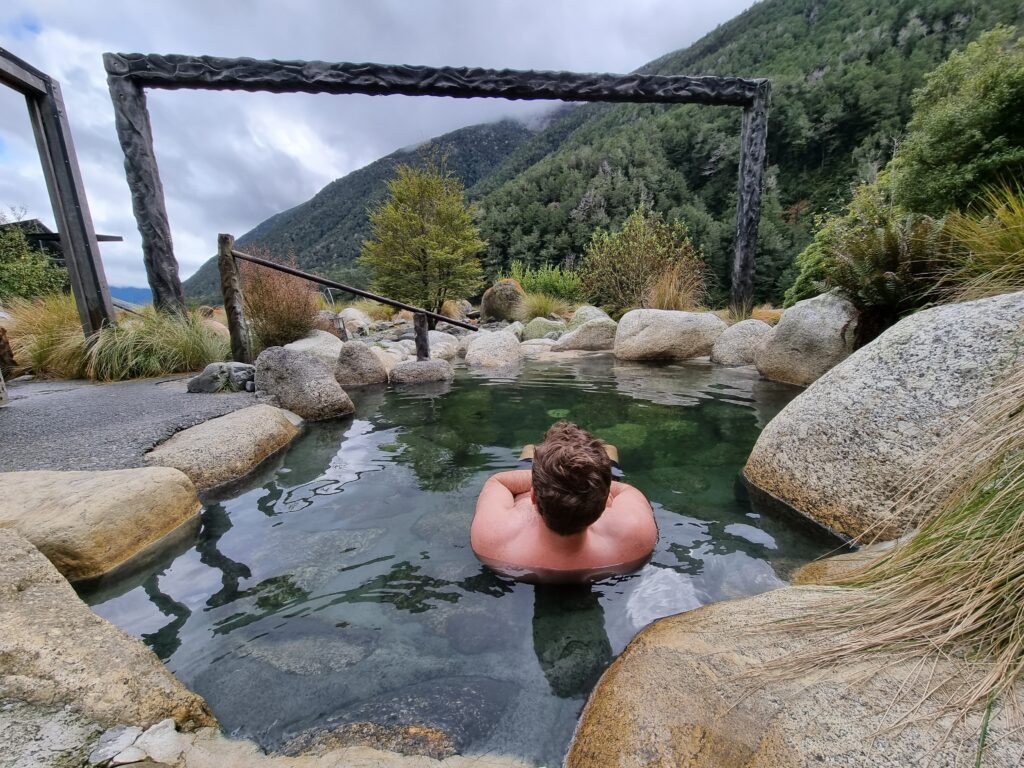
(953, 590)
(561, 282)
(966, 133)
(280, 308)
(988, 256)
(541, 305)
(25, 272)
(47, 340)
(646, 260)
(425, 244)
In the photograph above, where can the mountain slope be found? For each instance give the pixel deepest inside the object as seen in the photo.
(326, 232)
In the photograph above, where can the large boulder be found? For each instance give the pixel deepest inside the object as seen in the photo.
(502, 301)
(55, 651)
(665, 334)
(358, 366)
(320, 344)
(841, 450)
(301, 383)
(356, 322)
(495, 350)
(540, 327)
(584, 314)
(389, 356)
(443, 346)
(88, 523)
(225, 448)
(687, 693)
(812, 336)
(422, 371)
(593, 335)
(738, 343)
(222, 377)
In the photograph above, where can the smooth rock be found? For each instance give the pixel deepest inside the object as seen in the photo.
(685, 692)
(358, 366)
(739, 342)
(88, 523)
(664, 334)
(540, 327)
(516, 328)
(443, 346)
(584, 314)
(495, 350)
(389, 356)
(468, 339)
(129, 756)
(502, 301)
(55, 650)
(227, 447)
(34, 736)
(357, 322)
(812, 336)
(592, 335)
(301, 383)
(420, 371)
(840, 566)
(113, 742)
(216, 328)
(326, 346)
(840, 451)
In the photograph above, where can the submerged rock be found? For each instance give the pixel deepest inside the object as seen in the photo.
(739, 342)
(495, 350)
(663, 334)
(321, 344)
(841, 450)
(301, 383)
(685, 692)
(812, 336)
(358, 366)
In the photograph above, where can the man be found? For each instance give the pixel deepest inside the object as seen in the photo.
(563, 520)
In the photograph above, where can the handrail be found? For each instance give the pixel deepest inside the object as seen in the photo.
(349, 289)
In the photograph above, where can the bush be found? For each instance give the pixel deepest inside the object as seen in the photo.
(621, 269)
(541, 305)
(280, 308)
(988, 254)
(547, 278)
(46, 337)
(678, 287)
(25, 272)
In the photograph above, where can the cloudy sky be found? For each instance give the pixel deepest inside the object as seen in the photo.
(230, 160)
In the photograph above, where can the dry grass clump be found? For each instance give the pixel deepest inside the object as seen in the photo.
(680, 286)
(46, 337)
(766, 313)
(453, 309)
(374, 309)
(990, 258)
(955, 591)
(541, 305)
(280, 308)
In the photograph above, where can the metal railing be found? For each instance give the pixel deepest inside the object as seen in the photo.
(231, 290)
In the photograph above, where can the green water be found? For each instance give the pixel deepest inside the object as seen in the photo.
(338, 585)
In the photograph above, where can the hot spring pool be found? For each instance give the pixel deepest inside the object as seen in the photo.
(337, 586)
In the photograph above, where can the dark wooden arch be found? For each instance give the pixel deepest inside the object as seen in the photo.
(78, 242)
(129, 74)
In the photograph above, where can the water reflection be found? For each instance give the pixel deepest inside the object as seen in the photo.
(166, 640)
(569, 638)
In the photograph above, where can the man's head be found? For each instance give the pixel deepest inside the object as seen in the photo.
(572, 475)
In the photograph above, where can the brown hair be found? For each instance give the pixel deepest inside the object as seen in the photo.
(572, 475)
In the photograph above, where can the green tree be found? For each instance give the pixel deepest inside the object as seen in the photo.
(24, 272)
(424, 246)
(966, 133)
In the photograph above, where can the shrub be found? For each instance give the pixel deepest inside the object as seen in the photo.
(620, 269)
(547, 278)
(25, 272)
(280, 308)
(541, 305)
(988, 254)
(154, 343)
(679, 287)
(46, 337)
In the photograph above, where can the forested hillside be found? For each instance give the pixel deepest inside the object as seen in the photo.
(842, 74)
(326, 232)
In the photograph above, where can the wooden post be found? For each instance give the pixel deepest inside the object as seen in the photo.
(753, 141)
(231, 289)
(419, 322)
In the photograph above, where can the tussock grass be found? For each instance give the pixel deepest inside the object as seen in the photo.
(541, 305)
(955, 590)
(679, 286)
(374, 309)
(280, 308)
(46, 337)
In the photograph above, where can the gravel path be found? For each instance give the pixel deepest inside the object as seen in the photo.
(82, 425)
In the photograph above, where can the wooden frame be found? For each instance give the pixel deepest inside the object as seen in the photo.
(78, 242)
(128, 74)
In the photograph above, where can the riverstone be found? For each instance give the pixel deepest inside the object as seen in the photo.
(302, 383)
(113, 742)
(421, 371)
(358, 366)
(516, 328)
(88, 523)
(225, 448)
(55, 651)
(321, 344)
(389, 356)
(686, 692)
(584, 314)
(813, 336)
(739, 342)
(443, 346)
(357, 322)
(502, 301)
(540, 327)
(665, 334)
(593, 335)
(495, 350)
(841, 451)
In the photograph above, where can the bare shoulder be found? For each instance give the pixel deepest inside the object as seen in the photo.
(499, 518)
(629, 514)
